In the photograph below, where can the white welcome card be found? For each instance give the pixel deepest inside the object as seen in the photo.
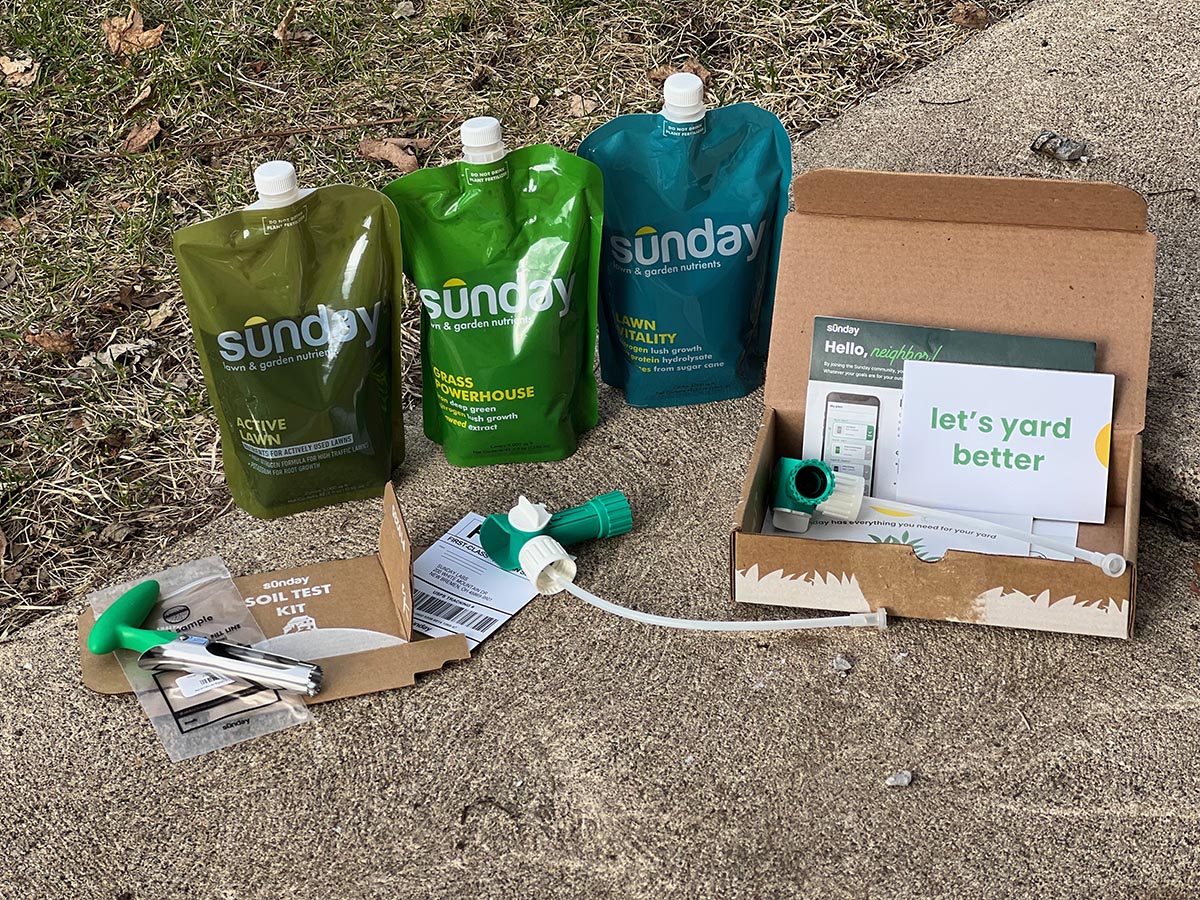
(1025, 441)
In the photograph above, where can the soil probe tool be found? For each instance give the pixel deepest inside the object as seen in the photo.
(119, 626)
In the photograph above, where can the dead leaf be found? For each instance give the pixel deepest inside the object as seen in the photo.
(9, 275)
(970, 15)
(140, 137)
(142, 96)
(400, 152)
(127, 35)
(20, 72)
(116, 353)
(286, 35)
(581, 106)
(133, 298)
(116, 532)
(535, 101)
(12, 226)
(405, 9)
(76, 423)
(691, 65)
(3, 546)
(479, 78)
(53, 341)
(114, 442)
(283, 30)
(256, 66)
(159, 316)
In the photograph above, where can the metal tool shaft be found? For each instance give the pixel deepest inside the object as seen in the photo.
(190, 653)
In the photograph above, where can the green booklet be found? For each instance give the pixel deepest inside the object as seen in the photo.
(856, 381)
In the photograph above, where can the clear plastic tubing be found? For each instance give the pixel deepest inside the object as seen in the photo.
(877, 619)
(1112, 564)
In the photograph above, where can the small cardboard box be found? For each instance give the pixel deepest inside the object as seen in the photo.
(1011, 255)
(371, 594)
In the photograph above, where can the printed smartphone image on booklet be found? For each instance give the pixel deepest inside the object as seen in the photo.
(851, 427)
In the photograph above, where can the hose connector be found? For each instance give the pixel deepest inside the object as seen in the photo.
(547, 565)
(807, 487)
(503, 536)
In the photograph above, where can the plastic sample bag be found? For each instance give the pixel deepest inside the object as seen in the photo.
(503, 249)
(292, 302)
(693, 213)
(196, 713)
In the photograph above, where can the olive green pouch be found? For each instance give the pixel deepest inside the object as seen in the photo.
(293, 309)
(505, 258)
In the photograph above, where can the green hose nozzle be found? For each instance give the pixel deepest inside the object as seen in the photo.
(608, 515)
(119, 625)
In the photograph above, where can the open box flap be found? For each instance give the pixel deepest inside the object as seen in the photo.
(1036, 202)
(395, 557)
(1009, 255)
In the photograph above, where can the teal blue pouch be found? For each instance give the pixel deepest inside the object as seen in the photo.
(693, 214)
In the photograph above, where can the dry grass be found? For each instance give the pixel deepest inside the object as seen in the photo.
(104, 462)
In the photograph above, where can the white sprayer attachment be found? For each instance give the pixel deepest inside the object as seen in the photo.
(482, 140)
(551, 570)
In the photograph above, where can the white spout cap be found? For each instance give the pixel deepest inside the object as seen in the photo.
(683, 98)
(276, 183)
(528, 516)
(1113, 565)
(482, 140)
(546, 564)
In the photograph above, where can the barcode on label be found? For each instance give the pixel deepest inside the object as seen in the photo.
(452, 612)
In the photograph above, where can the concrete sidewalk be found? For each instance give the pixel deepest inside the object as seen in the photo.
(582, 756)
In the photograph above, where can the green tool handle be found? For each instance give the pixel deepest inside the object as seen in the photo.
(118, 626)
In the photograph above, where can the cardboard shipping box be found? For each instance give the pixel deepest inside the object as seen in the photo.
(368, 600)
(1011, 255)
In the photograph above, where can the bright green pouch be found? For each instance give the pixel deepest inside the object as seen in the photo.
(292, 309)
(505, 259)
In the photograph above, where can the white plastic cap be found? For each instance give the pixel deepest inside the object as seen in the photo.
(482, 140)
(683, 98)
(527, 516)
(847, 497)
(544, 561)
(276, 183)
(792, 520)
(1113, 565)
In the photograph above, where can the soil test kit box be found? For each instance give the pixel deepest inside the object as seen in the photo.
(1010, 255)
(370, 595)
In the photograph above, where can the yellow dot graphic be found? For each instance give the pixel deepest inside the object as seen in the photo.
(454, 282)
(1103, 439)
(255, 320)
(645, 229)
